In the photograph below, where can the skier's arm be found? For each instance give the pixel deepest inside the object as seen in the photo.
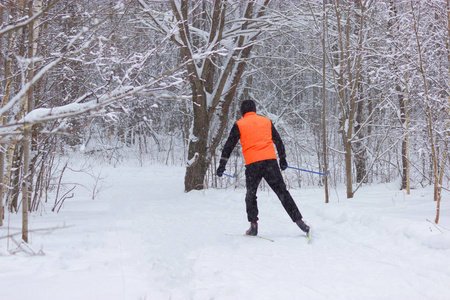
(231, 142)
(278, 143)
(280, 148)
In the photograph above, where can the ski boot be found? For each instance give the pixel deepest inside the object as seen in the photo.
(305, 228)
(253, 230)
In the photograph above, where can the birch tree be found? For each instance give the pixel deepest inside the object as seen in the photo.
(324, 99)
(28, 105)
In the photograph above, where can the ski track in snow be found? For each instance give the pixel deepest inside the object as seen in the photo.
(144, 238)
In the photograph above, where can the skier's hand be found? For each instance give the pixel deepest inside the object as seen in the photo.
(283, 164)
(220, 170)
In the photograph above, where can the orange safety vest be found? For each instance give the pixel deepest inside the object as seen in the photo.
(256, 138)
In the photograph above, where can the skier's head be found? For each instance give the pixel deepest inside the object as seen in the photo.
(247, 106)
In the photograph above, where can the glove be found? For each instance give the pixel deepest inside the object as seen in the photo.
(220, 169)
(283, 163)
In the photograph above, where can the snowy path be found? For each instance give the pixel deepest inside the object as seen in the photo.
(146, 239)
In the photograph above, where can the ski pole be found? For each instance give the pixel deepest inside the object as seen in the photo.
(323, 174)
(231, 176)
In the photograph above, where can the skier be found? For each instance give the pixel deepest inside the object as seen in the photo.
(257, 135)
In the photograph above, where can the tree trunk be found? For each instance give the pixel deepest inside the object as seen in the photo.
(14, 180)
(402, 91)
(25, 194)
(360, 151)
(2, 146)
(348, 169)
(447, 132)
(433, 142)
(348, 82)
(404, 111)
(2, 168)
(342, 95)
(198, 160)
(33, 34)
(324, 119)
(408, 164)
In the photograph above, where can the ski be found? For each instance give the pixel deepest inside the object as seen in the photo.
(308, 236)
(253, 236)
(261, 237)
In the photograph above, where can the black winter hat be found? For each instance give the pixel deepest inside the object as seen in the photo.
(247, 106)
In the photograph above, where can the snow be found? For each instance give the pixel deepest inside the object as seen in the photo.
(142, 237)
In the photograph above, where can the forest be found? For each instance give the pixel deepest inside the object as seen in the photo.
(358, 88)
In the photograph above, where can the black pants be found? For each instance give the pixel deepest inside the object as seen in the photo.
(269, 170)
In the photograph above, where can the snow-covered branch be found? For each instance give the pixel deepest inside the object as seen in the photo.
(26, 21)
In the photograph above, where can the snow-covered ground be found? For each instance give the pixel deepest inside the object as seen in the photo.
(144, 238)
